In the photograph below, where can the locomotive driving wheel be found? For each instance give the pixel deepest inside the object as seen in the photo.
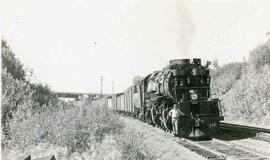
(148, 116)
(155, 116)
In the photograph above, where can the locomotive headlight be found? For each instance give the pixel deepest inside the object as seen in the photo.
(194, 96)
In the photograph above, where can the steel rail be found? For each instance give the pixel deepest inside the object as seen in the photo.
(243, 128)
(220, 150)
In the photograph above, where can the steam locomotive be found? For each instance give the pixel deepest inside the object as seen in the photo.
(183, 82)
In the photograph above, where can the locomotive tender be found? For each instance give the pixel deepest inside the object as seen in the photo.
(183, 82)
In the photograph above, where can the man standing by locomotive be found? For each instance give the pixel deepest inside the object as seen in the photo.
(175, 113)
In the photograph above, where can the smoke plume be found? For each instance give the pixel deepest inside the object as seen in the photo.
(157, 28)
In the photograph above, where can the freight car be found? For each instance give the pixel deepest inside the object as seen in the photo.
(183, 82)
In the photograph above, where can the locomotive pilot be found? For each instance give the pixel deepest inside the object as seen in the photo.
(175, 114)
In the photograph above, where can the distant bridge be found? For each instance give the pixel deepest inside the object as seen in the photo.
(80, 96)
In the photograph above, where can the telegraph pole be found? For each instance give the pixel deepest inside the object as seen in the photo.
(101, 85)
(112, 87)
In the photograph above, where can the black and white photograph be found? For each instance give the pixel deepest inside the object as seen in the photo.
(135, 79)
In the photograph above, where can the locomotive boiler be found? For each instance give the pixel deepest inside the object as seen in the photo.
(183, 82)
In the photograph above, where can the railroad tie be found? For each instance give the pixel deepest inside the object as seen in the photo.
(51, 157)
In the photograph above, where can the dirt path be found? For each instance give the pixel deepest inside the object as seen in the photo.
(160, 144)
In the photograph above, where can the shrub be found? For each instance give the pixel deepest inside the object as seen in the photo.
(19, 98)
(260, 56)
(76, 128)
(244, 88)
(43, 95)
(248, 100)
(223, 78)
(130, 143)
(15, 96)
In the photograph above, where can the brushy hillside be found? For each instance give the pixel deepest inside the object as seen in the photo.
(79, 129)
(244, 88)
(76, 128)
(20, 99)
(31, 116)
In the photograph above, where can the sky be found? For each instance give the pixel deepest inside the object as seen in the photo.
(70, 44)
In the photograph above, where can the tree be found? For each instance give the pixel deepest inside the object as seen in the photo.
(19, 98)
(43, 95)
(260, 56)
(215, 64)
(11, 63)
(136, 80)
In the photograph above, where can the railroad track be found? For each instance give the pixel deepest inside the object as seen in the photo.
(260, 133)
(219, 150)
(243, 128)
